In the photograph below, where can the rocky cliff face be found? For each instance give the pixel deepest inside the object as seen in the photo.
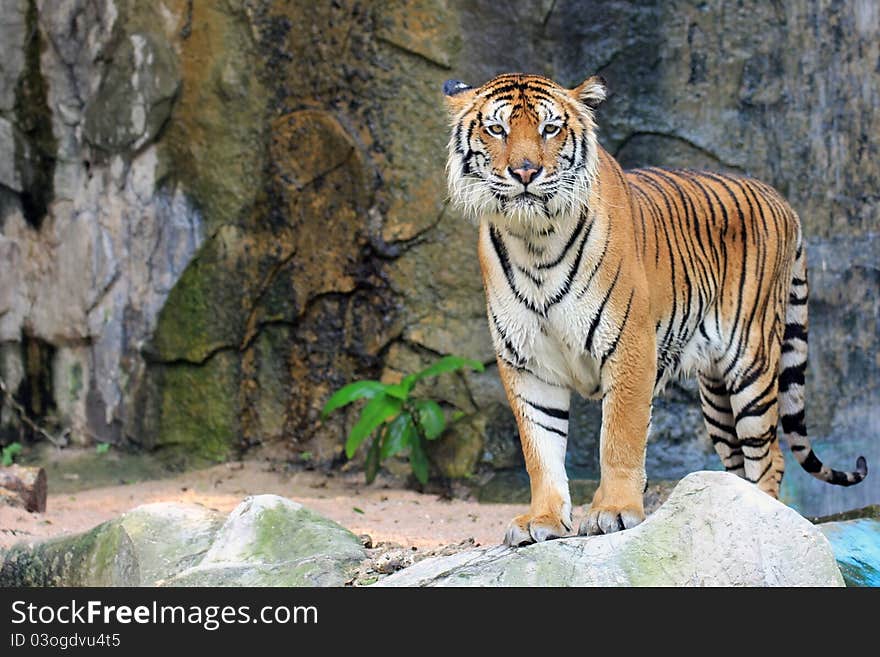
(213, 214)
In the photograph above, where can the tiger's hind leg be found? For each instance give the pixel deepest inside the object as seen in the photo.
(753, 400)
(718, 418)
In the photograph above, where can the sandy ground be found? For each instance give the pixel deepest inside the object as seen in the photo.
(386, 513)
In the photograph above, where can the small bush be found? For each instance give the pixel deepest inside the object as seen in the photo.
(395, 419)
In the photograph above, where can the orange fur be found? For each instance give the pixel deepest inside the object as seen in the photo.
(671, 272)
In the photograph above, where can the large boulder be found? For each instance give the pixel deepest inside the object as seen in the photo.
(270, 541)
(715, 530)
(266, 541)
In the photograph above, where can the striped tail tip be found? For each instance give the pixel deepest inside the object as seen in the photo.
(850, 478)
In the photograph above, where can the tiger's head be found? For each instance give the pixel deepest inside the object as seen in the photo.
(523, 148)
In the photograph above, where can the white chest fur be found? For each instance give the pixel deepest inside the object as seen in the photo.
(539, 304)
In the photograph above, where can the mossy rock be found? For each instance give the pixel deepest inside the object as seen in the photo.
(104, 556)
(715, 530)
(198, 416)
(270, 541)
(266, 541)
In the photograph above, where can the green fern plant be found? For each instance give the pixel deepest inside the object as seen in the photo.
(394, 418)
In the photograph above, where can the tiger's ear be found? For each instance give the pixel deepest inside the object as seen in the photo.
(592, 91)
(458, 94)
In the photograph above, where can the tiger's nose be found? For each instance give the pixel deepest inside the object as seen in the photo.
(526, 172)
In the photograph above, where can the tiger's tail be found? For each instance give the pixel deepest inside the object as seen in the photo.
(791, 382)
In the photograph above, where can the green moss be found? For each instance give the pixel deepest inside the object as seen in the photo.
(103, 556)
(198, 410)
(282, 536)
(200, 315)
(215, 141)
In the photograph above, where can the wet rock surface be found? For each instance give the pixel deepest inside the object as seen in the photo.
(856, 546)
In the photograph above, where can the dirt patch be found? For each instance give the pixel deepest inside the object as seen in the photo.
(383, 510)
(398, 526)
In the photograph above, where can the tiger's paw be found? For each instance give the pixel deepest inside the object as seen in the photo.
(607, 519)
(526, 529)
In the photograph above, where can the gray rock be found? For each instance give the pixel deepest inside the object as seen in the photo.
(104, 556)
(168, 538)
(270, 541)
(13, 28)
(266, 541)
(715, 530)
(9, 176)
(135, 96)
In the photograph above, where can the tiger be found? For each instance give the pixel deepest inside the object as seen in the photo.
(611, 283)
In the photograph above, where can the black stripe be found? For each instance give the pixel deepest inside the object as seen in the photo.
(811, 463)
(550, 429)
(711, 404)
(743, 269)
(756, 442)
(568, 245)
(525, 272)
(748, 380)
(719, 389)
(760, 457)
(546, 410)
(613, 347)
(719, 425)
(793, 375)
(724, 441)
(793, 331)
(569, 278)
(761, 476)
(794, 423)
(501, 253)
(588, 345)
(507, 343)
(755, 411)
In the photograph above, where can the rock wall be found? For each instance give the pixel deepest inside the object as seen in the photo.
(213, 214)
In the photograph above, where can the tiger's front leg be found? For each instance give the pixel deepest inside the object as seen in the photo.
(541, 412)
(628, 382)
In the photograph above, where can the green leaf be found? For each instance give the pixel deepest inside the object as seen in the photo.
(445, 364)
(400, 434)
(431, 418)
(418, 460)
(377, 410)
(398, 390)
(102, 448)
(348, 393)
(9, 453)
(371, 468)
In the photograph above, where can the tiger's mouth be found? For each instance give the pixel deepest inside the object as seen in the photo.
(526, 200)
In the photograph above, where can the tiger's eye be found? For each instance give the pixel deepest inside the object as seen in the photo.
(496, 129)
(550, 130)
